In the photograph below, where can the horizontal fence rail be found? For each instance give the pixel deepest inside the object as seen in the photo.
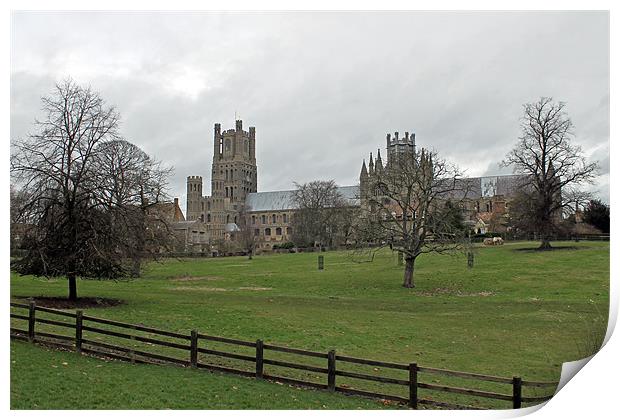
(192, 345)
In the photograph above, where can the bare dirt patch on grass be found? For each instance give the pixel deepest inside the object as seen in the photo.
(442, 291)
(201, 289)
(194, 278)
(219, 289)
(65, 303)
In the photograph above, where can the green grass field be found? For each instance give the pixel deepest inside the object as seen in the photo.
(516, 313)
(51, 379)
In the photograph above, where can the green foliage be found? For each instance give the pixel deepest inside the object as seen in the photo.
(286, 245)
(453, 217)
(597, 214)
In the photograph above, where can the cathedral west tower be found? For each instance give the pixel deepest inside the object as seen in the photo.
(233, 177)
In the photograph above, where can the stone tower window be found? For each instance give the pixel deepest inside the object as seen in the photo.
(273, 218)
(278, 231)
(268, 232)
(208, 218)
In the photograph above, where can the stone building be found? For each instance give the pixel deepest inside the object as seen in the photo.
(269, 214)
(487, 200)
(233, 177)
(234, 193)
(184, 235)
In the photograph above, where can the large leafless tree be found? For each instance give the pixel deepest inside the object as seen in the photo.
(552, 166)
(72, 201)
(132, 185)
(322, 217)
(413, 206)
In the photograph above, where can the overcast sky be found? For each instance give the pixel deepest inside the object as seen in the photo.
(321, 88)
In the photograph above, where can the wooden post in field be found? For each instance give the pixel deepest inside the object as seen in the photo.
(259, 359)
(321, 261)
(400, 258)
(78, 330)
(193, 352)
(470, 259)
(516, 392)
(331, 370)
(413, 385)
(31, 318)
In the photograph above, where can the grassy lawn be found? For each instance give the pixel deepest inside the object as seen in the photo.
(516, 313)
(51, 379)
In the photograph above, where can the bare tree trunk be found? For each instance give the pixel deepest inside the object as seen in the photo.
(408, 279)
(140, 245)
(72, 287)
(545, 243)
(136, 269)
(250, 254)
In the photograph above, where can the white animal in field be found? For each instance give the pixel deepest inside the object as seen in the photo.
(496, 240)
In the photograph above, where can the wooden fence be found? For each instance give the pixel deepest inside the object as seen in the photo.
(196, 343)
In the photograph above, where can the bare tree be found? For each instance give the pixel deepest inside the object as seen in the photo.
(553, 167)
(78, 225)
(247, 238)
(319, 215)
(413, 206)
(132, 185)
(20, 218)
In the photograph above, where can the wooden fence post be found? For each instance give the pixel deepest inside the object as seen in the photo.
(321, 262)
(413, 385)
(516, 392)
(470, 259)
(31, 318)
(193, 352)
(78, 331)
(259, 359)
(331, 370)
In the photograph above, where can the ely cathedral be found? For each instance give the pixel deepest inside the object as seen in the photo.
(234, 193)
(233, 178)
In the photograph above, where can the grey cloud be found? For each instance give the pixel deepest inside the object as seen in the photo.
(322, 88)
